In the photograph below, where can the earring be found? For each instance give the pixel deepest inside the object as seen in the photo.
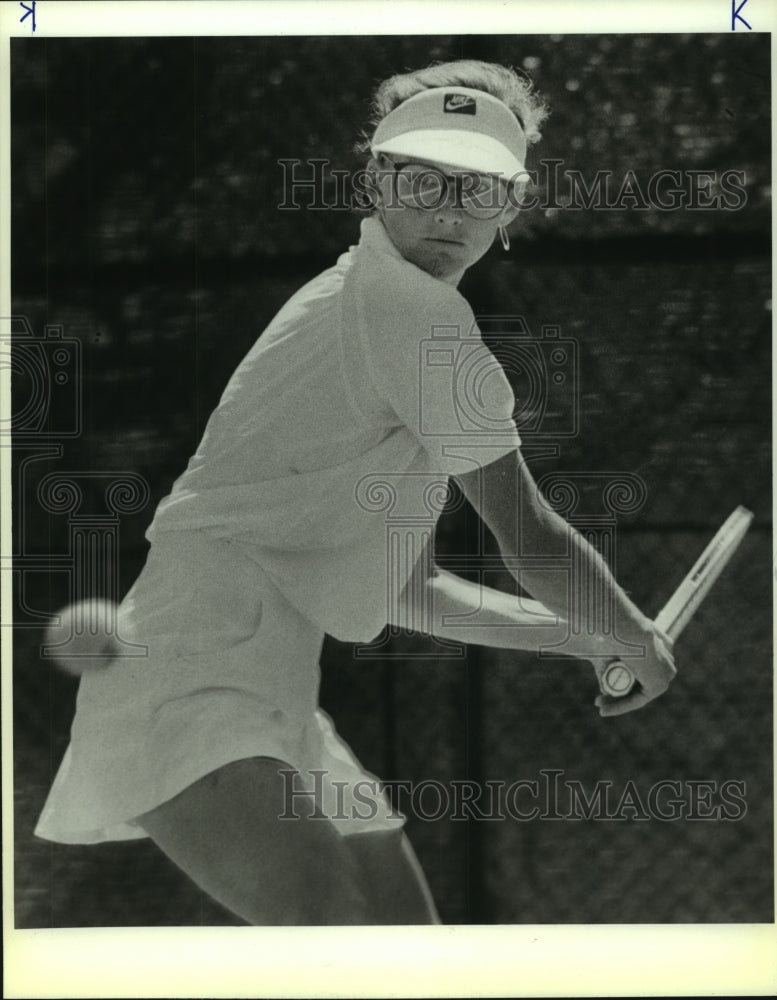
(503, 235)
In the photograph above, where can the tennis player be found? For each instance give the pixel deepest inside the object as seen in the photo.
(267, 542)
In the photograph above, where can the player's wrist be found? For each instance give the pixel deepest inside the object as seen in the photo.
(635, 627)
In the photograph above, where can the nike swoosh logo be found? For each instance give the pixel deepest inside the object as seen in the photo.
(462, 103)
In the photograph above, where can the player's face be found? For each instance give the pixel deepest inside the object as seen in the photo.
(439, 221)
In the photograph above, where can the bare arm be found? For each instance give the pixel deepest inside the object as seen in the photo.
(527, 531)
(468, 612)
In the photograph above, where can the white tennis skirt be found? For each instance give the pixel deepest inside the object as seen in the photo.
(228, 669)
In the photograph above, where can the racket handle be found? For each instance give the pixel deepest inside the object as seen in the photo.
(616, 680)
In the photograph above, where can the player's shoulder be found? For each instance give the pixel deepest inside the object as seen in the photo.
(313, 305)
(318, 294)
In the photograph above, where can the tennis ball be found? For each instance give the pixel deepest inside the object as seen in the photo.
(83, 637)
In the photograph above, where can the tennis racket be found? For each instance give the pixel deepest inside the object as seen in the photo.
(616, 679)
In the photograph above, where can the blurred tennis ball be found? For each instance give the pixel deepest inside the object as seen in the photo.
(83, 637)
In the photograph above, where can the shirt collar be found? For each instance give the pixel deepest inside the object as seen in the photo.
(375, 237)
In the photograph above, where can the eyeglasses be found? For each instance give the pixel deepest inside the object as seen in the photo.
(417, 185)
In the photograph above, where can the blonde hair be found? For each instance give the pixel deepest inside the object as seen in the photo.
(514, 90)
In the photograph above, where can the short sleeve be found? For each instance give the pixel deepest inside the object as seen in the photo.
(430, 365)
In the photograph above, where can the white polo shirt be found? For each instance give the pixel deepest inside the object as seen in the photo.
(340, 427)
(311, 497)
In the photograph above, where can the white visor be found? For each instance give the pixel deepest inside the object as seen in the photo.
(456, 127)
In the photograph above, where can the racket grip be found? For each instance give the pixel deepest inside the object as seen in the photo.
(616, 680)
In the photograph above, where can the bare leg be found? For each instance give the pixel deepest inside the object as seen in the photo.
(398, 891)
(224, 832)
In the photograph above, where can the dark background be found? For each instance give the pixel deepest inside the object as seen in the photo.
(145, 181)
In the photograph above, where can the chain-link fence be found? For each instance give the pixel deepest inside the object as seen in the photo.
(145, 180)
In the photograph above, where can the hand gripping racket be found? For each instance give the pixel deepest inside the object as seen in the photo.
(617, 679)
